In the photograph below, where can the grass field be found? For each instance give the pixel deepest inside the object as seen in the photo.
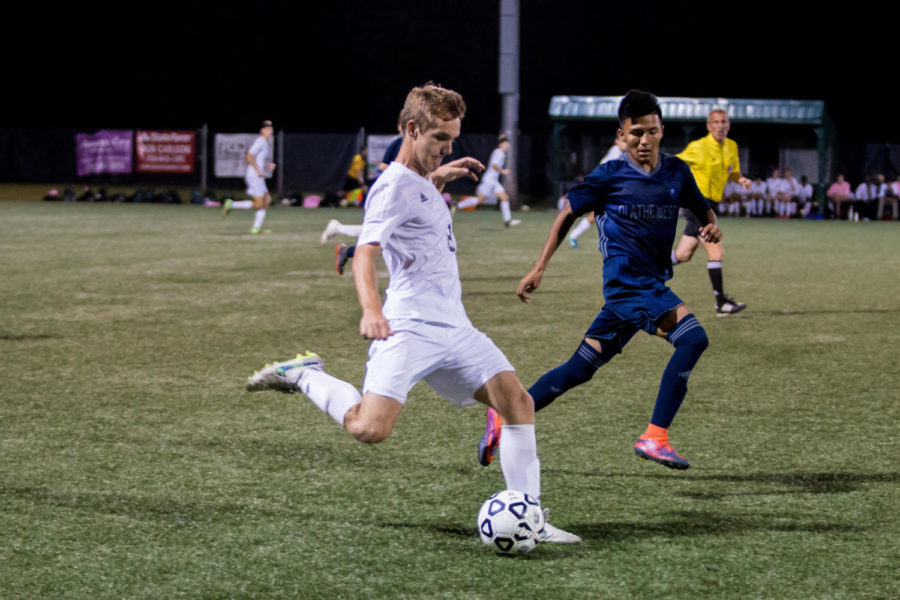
(135, 466)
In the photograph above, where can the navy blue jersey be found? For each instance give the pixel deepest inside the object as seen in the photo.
(637, 211)
(393, 149)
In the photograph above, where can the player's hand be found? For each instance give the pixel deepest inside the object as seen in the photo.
(374, 327)
(529, 284)
(710, 233)
(745, 183)
(463, 167)
(270, 167)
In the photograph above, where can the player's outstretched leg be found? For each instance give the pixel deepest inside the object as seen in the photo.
(331, 230)
(690, 340)
(306, 373)
(283, 376)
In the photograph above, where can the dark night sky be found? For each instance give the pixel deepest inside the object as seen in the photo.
(336, 66)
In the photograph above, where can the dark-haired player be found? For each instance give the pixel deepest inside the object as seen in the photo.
(635, 201)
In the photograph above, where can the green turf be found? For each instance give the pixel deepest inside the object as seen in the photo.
(135, 466)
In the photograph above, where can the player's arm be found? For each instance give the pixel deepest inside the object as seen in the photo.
(251, 160)
(694, 201)
(561, 225)
(710, 232)
(373, 325)
(463, 167)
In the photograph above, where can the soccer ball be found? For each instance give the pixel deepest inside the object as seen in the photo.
(510, 522)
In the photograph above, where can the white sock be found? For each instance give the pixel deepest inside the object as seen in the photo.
(468, 203)
(582, 226)
(504, 208)
(518, 459)
(242, 204)
(259, 218)
(349, 230)
(333, 396)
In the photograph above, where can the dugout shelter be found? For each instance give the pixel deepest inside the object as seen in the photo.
(571, 116)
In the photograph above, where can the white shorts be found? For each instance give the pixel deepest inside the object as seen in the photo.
(490, 188)
(256, 185)
(454, 361)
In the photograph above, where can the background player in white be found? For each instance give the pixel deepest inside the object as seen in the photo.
(490, 183)
(422, 330)
(615, 152)
(259, 164)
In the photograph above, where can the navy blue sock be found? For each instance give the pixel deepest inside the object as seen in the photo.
(575, 371)
(351, 250)
(689, 339)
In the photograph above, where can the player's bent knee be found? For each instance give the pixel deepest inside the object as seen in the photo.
(517, 408)
(368, 432)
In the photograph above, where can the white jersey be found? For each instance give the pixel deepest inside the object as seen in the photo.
(614, 153)
(409, 219)
(492, 175)
(758, 188)
(259, 150)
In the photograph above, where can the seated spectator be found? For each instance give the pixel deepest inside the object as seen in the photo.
(807, 204)
(786, 201)
(756, 198)
(892, 194)
(838, 194)
(867, 197)
(731, 199)
(777, 193)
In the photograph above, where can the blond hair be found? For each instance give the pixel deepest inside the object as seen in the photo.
(427, 103)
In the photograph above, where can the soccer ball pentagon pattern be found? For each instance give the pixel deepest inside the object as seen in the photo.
(510, 522)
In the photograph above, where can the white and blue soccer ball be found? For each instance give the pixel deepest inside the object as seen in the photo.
(511, 522)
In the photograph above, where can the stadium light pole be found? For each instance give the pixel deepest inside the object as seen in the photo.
(508, 86)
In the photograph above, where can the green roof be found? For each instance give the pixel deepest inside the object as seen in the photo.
(790, 112)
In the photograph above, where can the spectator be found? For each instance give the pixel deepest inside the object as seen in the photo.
(793, 191)
(867, 197)
(776, 188)
(356, 175)
(838, 194)
(805, 198)
(891, 195)
(731, 199)
(756, 198)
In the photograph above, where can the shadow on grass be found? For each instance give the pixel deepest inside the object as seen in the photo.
(139, 507)
(803, 313)
(9, 337)
(705, 523)
(791, 483)
(795, 483)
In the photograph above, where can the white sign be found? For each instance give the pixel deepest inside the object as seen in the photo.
(230, 157)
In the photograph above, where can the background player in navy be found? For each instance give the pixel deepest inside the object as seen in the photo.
(635, 202)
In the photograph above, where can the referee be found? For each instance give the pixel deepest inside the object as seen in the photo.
(714, 162)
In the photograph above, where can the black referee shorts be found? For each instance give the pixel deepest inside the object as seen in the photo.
(692, 225)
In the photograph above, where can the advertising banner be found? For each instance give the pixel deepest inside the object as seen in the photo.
(165, 151)
(230, 158)
(376, 145)
(107, 151)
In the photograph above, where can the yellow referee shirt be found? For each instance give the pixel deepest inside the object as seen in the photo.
(712, 164)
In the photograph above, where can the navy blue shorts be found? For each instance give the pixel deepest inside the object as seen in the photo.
(635, 300)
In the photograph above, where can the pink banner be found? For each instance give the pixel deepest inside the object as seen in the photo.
(103, 152)
(166, 151)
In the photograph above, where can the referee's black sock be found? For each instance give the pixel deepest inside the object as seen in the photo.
(714, 268)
